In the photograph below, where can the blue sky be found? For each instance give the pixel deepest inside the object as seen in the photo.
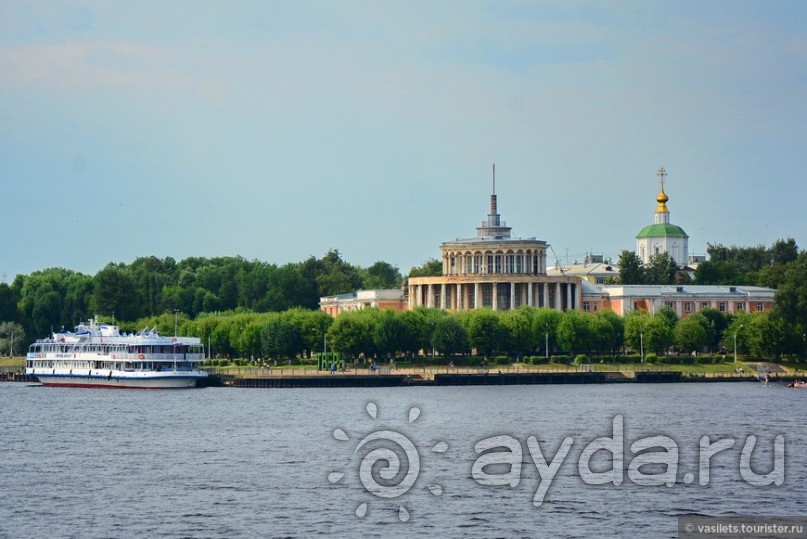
(278, 130)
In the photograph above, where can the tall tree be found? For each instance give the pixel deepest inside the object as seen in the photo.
(280, 338)
(635, 324)
(791, 298)
(449, 336)
(381, 275)
(661, 269)
(431, 268)
(485, 332)
(631, 269)
(690, 334)
(575, 332)
(8, 303)
(545, 323)
(391, 334)
(115, 292)
(12, 339)
(521, 337)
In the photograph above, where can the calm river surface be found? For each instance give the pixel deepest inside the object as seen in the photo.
(225, 462)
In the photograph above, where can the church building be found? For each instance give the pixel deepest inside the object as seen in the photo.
(662, 236)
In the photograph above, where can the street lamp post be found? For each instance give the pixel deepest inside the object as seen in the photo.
(641, 345)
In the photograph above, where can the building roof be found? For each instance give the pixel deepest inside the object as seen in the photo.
(597, 268)
(639, 290)
(664, 230)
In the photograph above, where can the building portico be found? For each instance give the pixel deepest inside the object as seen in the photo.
(495, 271)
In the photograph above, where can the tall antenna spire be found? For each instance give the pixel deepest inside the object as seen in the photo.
(493, 226)
(493, 196)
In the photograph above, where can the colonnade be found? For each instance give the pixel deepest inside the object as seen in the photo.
(495, 262)
(556, 294)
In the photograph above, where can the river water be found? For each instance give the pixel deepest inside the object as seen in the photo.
(226, 462)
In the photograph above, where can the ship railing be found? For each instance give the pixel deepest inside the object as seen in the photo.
(160, 357)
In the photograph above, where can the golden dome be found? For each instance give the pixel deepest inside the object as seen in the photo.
(662, 197)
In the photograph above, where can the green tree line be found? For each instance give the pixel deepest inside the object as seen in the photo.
(57, 297)
(523, 332)
(751, 266)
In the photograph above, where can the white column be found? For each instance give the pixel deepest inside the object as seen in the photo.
(458, 297)
(430, 295)
(568, 295)
(443, 302)
(512, 296)
(546, 295)
(558, 301)
(579, 289)
(495, 298)
(530, 300)
(477, 295)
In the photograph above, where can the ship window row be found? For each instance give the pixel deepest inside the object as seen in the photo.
(108, 349)
(109, 365)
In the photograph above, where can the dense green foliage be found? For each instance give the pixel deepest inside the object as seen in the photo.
(256, 310)
(520, 333)
(755, 266)
(661, 269)
(57, 297)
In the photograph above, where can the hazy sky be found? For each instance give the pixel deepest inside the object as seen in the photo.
(279, 130)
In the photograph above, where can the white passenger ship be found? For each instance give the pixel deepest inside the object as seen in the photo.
(98, 355)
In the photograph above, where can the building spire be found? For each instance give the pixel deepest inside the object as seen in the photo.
(493, 196)
(662, 213)
(493, 227)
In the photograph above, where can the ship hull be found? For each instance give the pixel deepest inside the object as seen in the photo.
(148, 380)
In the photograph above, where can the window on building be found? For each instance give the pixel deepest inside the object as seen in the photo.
(721, 306)
(519, 263)
(487, 295)
(469, 264)
(535, 263)
(490, 263)
(600, 280)
(670, 304)
(477, 263)
(498, 261)
(586, 306)
(704, 304)
(739, 307)
(595, 307)
(688, 307)
(760, 307)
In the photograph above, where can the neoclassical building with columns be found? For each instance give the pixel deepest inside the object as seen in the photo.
(495, 270)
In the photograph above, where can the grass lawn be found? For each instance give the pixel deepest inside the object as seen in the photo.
(12, 362)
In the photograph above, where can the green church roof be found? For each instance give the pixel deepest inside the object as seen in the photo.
(662, 231)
